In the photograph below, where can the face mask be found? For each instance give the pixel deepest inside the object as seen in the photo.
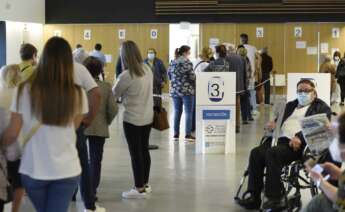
(336, 58)
(151, 56)
(304, 98)
(216, 55)
(335, 151)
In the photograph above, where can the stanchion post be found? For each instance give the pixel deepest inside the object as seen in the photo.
(274, 87)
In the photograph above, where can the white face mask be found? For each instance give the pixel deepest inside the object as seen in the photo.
(335, 151)
(336, 58)
(151, 56)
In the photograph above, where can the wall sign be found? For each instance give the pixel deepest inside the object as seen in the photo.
(57, 33)
(312, 50)
(298, 32)
(87, 34)
(324, 48)
(122, 34)
(335, 32)
(301, 44)
(259, 32)
(154, 34)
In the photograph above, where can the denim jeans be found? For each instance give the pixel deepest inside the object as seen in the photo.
(253, 99)
(185, 103)
(96, 145)
(50, 195)
(86, 178)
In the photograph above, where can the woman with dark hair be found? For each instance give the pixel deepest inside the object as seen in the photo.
(340, 75)
(134, 86)
(98, 131)
(182, 91)
(50, 166)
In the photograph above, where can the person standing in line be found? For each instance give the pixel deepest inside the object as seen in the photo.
(266, 68)
(201, 64)
(159, 75)
(237, 65)
(340, 75)
(182, 91)
(28, 55)
(79, 54)
(336, 58)
(258, 79)
(245, 100)
(98, 131)
(10, 78)
(251, 50)
(49, 183)
(134, 86)
(97, 53)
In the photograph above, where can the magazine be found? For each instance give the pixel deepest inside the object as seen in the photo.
(317, 132)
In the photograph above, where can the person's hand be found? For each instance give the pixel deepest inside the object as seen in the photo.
(86, 121)
(295, 143)
(271, 125)
(331, 169)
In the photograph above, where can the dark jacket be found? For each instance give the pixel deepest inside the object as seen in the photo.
(266, 65)
(118, 68)
(159, 72)
(317, 107)
(237, 64)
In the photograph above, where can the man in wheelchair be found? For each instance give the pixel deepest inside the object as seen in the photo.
(289, 147)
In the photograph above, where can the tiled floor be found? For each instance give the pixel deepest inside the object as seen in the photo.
(182, 180)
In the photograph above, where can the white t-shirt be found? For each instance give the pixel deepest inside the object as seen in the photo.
(137, 96)
(51, 153)
(83, 78)
(200, 66)
(292, 125)
(251, 50)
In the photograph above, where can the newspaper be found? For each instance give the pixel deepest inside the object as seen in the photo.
(317, 132)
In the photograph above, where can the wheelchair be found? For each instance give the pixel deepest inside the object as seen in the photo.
(294, 178)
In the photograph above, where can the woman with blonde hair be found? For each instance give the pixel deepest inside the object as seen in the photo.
(134, 86)
(47, 109)
(204, 60)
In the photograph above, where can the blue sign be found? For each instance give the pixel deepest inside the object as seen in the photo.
(216, 89)
(216, 114)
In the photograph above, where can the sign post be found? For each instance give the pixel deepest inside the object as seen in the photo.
(215, 112)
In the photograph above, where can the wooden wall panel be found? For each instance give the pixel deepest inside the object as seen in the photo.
(297, 60)
(107, 35)
(326, 37)
(225, 32)
(273, 39)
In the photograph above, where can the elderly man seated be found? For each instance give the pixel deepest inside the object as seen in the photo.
(289, 148)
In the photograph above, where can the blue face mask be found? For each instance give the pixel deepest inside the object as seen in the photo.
(304, 98)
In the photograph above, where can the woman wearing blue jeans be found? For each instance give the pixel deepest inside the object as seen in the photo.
(182, 91)
(50, 166)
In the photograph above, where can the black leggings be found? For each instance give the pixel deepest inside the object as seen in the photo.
(138, 144)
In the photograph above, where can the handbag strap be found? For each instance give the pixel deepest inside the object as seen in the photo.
(31, 133)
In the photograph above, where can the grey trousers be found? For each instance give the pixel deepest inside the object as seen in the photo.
(320, 203)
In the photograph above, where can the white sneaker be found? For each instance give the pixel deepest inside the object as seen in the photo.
(98, 209)
(134, 194)
(148, 189)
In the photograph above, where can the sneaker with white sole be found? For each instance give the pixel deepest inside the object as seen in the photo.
(148, 189)
(134, 194)
(98, 209)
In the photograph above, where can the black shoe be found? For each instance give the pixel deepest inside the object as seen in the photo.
(189, 138)
(176, 137)
(251, 119)
(274, 205)
(245, 122)
(251, 203)
(341, 104)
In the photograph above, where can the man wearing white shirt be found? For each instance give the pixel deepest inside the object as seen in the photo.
(251, 50)
(98, 53)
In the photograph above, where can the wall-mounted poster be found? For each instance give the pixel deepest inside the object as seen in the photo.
(259, 32)
(335, 32)
(122, 34)
(87, 34)
(298, 32)
(154, 34)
